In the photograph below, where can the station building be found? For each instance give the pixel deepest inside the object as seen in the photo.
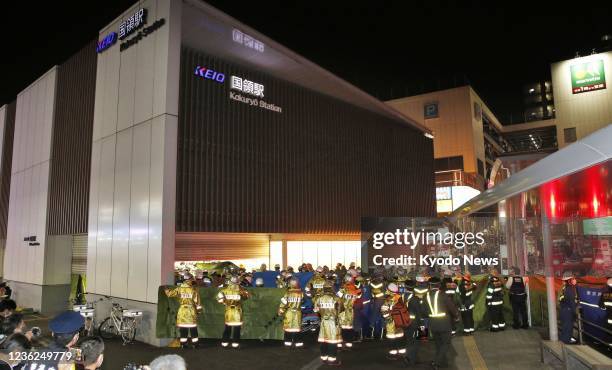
(181, 134)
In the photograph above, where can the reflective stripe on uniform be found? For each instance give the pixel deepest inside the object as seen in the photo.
(497, 303)
(434, 309)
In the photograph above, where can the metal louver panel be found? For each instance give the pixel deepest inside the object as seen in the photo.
(79, 254)
(71, 144)
(5, 167)
(315, 168)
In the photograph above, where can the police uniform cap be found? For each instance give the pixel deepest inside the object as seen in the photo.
(66, 323)
(567, 275)
(434, 280)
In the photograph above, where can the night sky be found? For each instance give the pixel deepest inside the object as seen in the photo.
(389, 50)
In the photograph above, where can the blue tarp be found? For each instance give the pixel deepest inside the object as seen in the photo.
(591, 296)
(269, 278)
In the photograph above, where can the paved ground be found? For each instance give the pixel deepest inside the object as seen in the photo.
(512, 349)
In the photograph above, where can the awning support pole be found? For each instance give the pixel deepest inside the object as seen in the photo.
(553, 332)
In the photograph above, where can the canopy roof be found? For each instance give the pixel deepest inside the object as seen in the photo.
(593, 149)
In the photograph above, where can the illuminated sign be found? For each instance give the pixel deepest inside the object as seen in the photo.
(430, 110)
(134, 22)
(444, 193)
(246, 86)
(252, 88)
(209, 74)
(588, 76)
(144, 33)
(248, 41)
(108, 41)
(597, 226)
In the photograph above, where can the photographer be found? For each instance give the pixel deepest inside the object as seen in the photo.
(92, 353)
(14, 324)
(59, 354)
(7, 307)
(15, 343)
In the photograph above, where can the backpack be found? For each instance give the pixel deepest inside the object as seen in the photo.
(400, 314)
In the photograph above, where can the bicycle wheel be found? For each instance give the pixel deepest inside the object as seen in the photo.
(128, 332)
(107, 329)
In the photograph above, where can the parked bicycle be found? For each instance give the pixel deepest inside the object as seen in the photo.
(121, 323)
(88, 312)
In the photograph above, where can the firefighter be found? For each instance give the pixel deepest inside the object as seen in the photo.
(393, 332)
(442, 312)
(232, 295)
(291, 310)
(328, 305)
(495, 302)
(315, 285)
(377, 297)
(465, 290)
(282, 279)
(517, 291)
(606, 304)
(187, 314)
(568, 303)
(450, 288)
(348, 294)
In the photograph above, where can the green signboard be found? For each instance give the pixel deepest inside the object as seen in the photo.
(597, 226)
(588, 76)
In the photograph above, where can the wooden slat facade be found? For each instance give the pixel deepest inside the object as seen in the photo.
(315, 168)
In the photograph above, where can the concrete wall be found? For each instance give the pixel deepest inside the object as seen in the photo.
(587, 111)
(133, 168)
(30, 181)
(454, 129)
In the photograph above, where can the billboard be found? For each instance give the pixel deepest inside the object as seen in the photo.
(588, 76)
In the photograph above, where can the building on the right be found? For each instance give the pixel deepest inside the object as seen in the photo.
(582, 99)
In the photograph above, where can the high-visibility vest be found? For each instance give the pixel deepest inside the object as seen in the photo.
(434, 308)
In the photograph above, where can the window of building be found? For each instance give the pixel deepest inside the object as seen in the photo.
(449, 163)
(481, 170)
(430, 110)
(569, 134)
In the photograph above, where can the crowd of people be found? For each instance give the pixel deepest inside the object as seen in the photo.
(350, 306)
(390, 304)
(23, 348)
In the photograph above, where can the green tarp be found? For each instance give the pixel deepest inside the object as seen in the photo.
(260, 320)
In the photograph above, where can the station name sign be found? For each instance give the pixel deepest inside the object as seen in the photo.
(134, 24)
(240, 88)
(589, 76)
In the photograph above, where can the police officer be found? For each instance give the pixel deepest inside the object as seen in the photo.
(450, 288)
(606, 304)
(291, 310)
(568, 303)
(420, 292)
(189, 307)
(232, 297)
(348, 294)
(377, 293)
(65, 332)
(417, 313)
(442, 312)
(328, 305)
(517, 290)
(495, 302)
(465, 290)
